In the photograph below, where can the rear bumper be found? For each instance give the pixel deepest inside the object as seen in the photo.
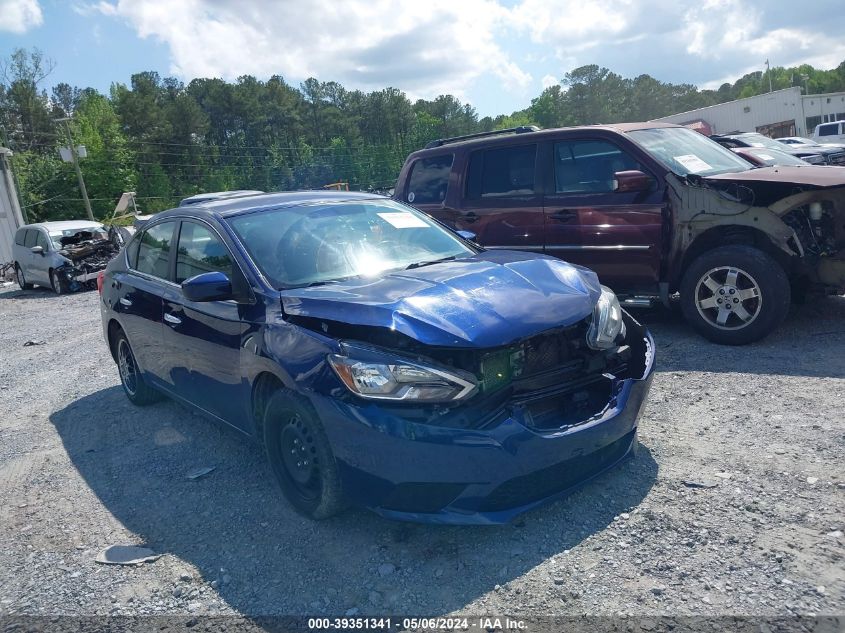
(419, 472)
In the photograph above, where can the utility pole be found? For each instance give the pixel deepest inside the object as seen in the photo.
(769, 73)
(75, 159)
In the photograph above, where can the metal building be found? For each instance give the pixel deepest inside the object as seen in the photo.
(780, 113)
(10, 210)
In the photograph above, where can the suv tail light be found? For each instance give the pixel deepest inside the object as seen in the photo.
(101, 278)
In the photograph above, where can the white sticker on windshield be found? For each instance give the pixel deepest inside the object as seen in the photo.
(693, 163)
(403, 220)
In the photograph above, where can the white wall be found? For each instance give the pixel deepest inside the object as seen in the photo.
(745, 115)
(10, 213)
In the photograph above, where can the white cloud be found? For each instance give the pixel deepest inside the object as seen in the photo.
(548, 81)
(18, 16)
(425, 48)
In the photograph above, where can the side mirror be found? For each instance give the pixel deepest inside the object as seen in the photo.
(38, 250)
(213, 286)
(467, 235)
(631, 180)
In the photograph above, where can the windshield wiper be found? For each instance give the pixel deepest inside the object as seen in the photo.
(433, 261)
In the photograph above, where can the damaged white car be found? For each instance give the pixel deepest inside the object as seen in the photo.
(65, 256)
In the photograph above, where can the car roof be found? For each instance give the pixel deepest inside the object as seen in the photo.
(514, 138)
(227, 207)
(216, 195)
(64, 225)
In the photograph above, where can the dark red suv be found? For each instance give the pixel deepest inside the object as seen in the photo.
(655, 209)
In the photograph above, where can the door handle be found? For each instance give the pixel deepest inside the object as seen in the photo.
(470, 217)
(564, 215)
(126, 302)
(175, 320)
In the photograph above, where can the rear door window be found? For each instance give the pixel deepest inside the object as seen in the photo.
(502, 173)
(20, 237)
(31, 238)
(588, 166)
(200, 251)
(429, 180)
(154, 250)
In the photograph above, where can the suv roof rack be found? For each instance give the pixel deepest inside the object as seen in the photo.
(522, 129)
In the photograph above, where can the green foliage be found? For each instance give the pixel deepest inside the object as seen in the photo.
(167, 140)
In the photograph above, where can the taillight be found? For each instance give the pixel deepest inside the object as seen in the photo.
(101, 278)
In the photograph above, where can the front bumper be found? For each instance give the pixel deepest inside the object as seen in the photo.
(419, 472)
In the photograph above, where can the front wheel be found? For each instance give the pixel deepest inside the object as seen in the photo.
(59, 285)
(301, 457)
(735, 295)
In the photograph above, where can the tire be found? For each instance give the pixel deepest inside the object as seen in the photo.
(131, 379)
(57, 283)
(309, 478)
(734, 295)
(21, 279)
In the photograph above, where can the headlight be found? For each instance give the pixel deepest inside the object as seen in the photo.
(607, 323)
(399, 380)
(814, 159)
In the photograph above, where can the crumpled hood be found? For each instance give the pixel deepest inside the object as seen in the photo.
(773, 186)
(488, 300)
(811, 176)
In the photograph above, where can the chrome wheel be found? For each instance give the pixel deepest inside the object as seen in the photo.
(728, 298)
(127, 367)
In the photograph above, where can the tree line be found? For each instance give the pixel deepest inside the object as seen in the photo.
(166, 140)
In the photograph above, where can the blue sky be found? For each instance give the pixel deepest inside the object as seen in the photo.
(496, 54)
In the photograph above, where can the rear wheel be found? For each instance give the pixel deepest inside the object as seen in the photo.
(735, 295)
(19, 276)
(301, 457)
(134, 385)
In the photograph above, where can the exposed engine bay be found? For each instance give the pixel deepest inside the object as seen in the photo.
(88, 252)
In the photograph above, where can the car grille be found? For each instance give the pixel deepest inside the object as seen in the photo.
(555, 479)
(837, 159)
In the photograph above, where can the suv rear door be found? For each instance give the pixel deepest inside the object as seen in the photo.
(587, 222)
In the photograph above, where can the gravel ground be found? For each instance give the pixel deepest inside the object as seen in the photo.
(81, 469)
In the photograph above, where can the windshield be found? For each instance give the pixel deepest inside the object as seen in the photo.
(56, 236)
(758, 140)
(325, 242)
(684, 151)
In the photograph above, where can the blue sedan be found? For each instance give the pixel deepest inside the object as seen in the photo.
(380, 359)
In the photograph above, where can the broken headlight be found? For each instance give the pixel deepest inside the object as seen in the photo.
(607, 323)
(398, 379)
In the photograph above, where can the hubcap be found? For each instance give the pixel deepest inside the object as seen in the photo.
(127, 368)
(728, 298)
(299, 456)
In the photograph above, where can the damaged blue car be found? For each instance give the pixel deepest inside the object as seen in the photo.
(379, 358)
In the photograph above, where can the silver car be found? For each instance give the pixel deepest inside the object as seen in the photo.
(64, 256)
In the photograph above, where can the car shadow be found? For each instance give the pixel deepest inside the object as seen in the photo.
(817, 325)
(236, 528)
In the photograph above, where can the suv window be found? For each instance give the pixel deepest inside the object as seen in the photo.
(430, 179)
(154, 250)
(496, 173)
(589, 166)
(31, 237)
(829, 130)
(20, 237)
(200, 251)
